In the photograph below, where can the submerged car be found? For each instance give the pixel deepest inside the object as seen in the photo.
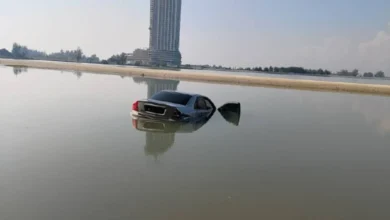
(173, 111)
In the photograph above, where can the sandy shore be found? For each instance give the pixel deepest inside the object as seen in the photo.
(204, 77)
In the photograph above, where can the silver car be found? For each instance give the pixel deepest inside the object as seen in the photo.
(176, 106)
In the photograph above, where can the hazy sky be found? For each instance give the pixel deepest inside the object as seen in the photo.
(331, 34)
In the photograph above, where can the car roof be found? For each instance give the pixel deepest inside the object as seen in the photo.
(184, 93)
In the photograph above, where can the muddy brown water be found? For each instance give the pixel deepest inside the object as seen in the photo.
(69, 150)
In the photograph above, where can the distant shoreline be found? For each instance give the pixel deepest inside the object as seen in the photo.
(289, 74)
(260, 81)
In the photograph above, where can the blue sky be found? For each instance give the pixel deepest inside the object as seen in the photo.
(330, 34)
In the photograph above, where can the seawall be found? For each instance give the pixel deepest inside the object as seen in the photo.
(204, 77)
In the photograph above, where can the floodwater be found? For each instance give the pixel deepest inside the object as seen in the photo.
(69, 150)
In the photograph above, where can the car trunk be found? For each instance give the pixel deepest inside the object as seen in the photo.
(156, 110)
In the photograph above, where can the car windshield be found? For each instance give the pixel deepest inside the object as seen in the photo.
(173, 97)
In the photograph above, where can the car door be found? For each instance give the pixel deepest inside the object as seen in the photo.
(203, 108)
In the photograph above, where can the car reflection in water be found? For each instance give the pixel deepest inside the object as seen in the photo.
(160, 135)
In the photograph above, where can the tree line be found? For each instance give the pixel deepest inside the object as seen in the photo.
(355, 73)
(77, 55)
(289, 70)
(303, 71)
(119, 59)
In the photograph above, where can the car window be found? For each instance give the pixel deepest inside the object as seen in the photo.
(208, 104)
(200, 104)
(173, 97)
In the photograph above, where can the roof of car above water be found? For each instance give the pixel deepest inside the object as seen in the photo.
(184, 93)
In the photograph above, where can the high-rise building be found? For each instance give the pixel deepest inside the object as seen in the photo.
(165, 17)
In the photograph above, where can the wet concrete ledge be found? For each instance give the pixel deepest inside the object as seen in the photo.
(204, 77)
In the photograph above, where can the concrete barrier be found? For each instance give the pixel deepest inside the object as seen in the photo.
(204, 77)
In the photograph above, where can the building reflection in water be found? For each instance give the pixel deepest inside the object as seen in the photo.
(78, 74)
(156, 143)
(19, 69)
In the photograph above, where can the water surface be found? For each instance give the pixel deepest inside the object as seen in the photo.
(69, 151)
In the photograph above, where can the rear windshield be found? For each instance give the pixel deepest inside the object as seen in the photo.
(173, 97)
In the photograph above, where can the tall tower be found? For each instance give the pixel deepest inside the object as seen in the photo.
(164, 39)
